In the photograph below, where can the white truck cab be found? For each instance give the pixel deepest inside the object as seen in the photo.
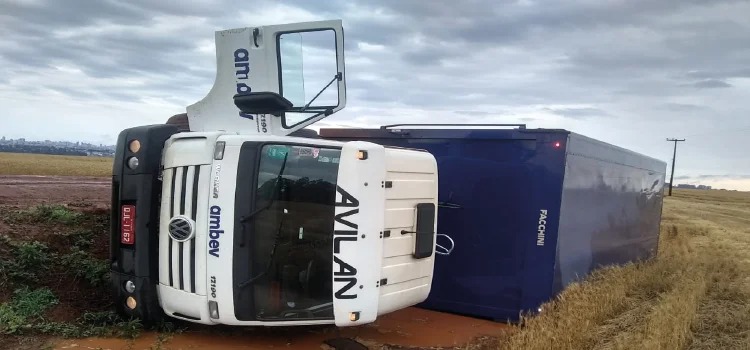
(236, 222)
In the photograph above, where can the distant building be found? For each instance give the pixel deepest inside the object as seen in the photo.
(693, 187)
(687, 186)
(21, 145)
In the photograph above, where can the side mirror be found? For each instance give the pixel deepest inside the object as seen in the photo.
(263, 102)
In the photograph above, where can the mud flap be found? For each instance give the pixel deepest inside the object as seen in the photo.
(357, 243)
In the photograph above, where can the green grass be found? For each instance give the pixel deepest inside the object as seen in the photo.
(28, 259)
(44, 164)
(31, 259)
(83, 265)
(32, 266)
(92, 324)
(24, 309)
(45, 213)
(24, 315)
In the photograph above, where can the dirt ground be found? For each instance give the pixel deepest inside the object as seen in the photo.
(411, 328)
(25, 190)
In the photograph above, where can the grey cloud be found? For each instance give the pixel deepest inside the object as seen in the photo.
(645, 62)
(719, 177)
(578, 113)
(710, 84)
(683, 107)
(473, 112)
(106, 55)
(720, 74)
(55, 14)
(504, 21)
(72, 92)
(425, 56)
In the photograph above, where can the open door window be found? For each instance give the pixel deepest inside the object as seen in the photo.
(311, 74)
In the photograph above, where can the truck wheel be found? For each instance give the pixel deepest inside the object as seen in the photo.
(308, 133)
(181, 121)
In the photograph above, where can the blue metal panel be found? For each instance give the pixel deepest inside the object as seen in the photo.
(492, 186)
(540, 232)
(611, 208)
(504, 193)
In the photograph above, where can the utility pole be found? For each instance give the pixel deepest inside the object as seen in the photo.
(674, 156)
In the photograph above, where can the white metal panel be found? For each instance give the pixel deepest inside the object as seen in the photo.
(413, 176)
(186, 256)
(399, 217)
(188, 151)
(357, 246)
(220, 267)
(398, 245)
(164, 217)
(175, 257)
(408, 271)
(188, 304)
(408, 189)
(201, 219)
(409, 161)
(404, 294)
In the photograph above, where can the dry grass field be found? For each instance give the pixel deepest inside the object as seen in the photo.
(43, 164)
(695, 295)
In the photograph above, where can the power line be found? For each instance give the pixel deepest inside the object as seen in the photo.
(674, 156)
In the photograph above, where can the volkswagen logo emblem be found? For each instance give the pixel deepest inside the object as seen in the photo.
(180, 228)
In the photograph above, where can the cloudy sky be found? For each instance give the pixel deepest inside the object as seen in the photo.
(627, 72)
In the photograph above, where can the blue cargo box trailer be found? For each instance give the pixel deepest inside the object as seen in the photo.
(529, 210)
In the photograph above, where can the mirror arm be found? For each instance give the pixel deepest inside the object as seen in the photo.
(338, 77)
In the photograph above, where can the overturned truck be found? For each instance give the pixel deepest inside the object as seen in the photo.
(228, 218)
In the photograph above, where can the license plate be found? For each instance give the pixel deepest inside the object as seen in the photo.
(127, 224)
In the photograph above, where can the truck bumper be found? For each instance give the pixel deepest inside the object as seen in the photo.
(184, 305)
(137, 261)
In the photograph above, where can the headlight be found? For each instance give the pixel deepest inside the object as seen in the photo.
(132, 163)
(134, 146)
(130, 286)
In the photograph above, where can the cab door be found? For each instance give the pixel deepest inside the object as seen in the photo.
(303, 62)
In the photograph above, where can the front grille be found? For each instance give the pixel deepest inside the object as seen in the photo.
(184, 191)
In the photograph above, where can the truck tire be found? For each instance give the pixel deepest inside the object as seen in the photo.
(308, 133)
(180, 121)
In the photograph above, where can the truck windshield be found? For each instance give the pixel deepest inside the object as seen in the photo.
(292, 239)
